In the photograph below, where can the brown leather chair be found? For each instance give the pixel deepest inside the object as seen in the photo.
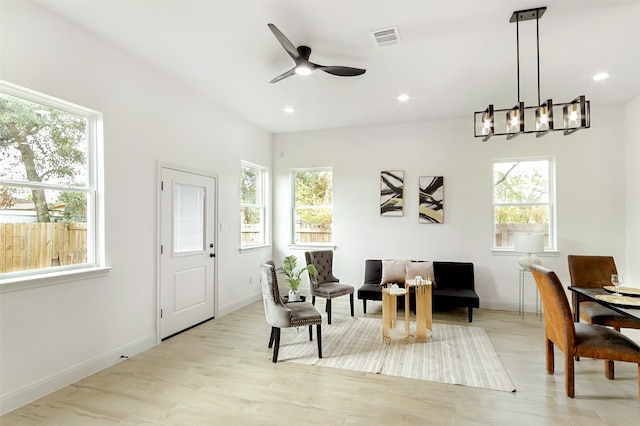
(325, 284)
(595, 271)
(280, 315)
(578, 339)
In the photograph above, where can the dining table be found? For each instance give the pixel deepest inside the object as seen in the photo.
(628, 309)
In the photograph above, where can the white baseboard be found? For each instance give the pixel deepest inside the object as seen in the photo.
(238, 303)
(507, 306)
(43, 387)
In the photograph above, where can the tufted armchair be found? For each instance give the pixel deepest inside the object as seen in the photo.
(282, 315)
(578, 339)
(593, 272)
(325, 284)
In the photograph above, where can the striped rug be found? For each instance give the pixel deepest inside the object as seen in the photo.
(455, 354)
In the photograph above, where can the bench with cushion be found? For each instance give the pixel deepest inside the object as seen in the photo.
(454, 282)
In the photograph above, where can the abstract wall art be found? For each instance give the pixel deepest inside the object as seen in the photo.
(391, 193)
(431, 202)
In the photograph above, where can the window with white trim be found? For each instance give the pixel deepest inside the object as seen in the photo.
(253, 230)
(312, 206)
(523, 200)
(48, 184)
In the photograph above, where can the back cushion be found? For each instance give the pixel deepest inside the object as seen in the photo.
(323, 261)
(454, 275)
(372, 271)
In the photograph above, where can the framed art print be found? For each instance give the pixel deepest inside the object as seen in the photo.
(431, 199)
(391, 193)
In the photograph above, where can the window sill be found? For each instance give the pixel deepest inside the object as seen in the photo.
(254, 248)
(8, 285)
(507, 252)
(311, 246)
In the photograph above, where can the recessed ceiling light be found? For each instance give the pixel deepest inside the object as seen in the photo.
(403, 98)
(601, 76)
(288, 109)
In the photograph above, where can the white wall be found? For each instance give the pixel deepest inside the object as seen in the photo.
(53, 335)
(590, 196)
(632, 155)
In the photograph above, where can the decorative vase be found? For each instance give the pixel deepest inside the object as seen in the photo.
(294, 295)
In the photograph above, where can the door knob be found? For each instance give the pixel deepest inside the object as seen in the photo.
(212, 255)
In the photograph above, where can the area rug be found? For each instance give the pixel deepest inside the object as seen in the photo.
(455, 354)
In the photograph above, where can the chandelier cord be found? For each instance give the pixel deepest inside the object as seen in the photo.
(538, 51)
(518, 54)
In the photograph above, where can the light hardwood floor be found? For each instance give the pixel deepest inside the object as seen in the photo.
(220, 373)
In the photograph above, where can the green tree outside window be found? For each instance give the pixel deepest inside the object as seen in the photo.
(313, 196)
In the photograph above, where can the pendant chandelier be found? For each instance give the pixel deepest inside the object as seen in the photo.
(539, 119)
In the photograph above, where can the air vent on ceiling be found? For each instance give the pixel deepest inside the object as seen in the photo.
(386, 37)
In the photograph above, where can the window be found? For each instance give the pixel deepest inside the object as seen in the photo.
(523, 200)
(313, 206)
(48, 184)
(252, 205)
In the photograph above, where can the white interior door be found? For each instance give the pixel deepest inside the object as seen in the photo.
(187, 250)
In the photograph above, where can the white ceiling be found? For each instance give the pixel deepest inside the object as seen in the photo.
(455, 58)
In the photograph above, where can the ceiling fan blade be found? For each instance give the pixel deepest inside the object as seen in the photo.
(284, 75)
(340, 71)
(284, 41)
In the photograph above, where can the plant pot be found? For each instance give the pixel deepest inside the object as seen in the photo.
(294, 296)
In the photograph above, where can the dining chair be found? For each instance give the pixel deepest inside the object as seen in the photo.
(283, 315)
(324, 283)
(595, 272)
(578, 339)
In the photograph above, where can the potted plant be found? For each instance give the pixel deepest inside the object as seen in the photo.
(293, 275)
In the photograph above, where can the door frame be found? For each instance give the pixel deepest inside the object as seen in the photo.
(159, 167)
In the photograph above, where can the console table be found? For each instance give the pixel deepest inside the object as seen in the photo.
(523, 273)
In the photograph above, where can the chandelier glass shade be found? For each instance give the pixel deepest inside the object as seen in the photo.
(539, 119)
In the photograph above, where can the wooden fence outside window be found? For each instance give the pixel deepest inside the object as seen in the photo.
(27, 246)
(505, 232)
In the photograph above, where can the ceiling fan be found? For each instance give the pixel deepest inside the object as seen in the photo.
(300, 56)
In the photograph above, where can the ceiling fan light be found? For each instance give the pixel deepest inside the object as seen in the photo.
(303, 70)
